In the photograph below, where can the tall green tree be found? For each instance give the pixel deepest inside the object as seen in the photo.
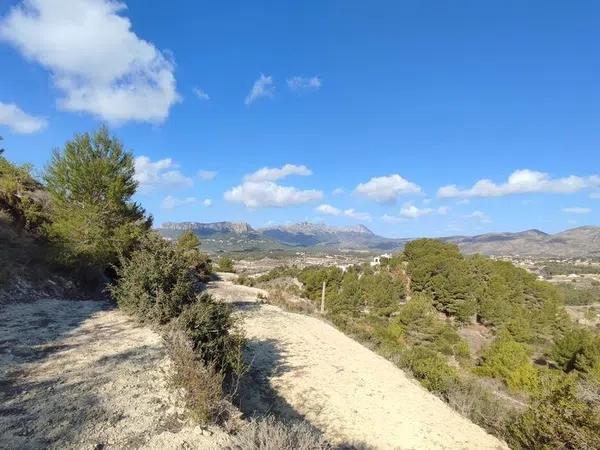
(91, 183)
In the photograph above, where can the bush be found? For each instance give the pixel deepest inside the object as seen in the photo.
(269, 434)
(189, 246)
(91, 183)
(578, 349)
(212, 329)
(508, 361)
(22, 197)
(558, 419)
(155, 283)
(418, 321)
(201, 382)
(430, 368)
(225, 264)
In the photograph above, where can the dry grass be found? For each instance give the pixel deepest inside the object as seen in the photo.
(270, 434)
(202, 383)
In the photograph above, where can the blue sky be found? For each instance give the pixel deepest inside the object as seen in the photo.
(362, 112)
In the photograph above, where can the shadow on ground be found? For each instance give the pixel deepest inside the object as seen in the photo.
(256, 396)
(37, 414)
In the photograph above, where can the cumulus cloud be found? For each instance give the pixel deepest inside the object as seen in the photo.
(522, 182)
(170, 202)
(164, 173)
(276, 173)
(207, 202)
(98, 63)
(207, 175)
(304, 83)
(259, 190)
(577, 210)
(351, 213)
(269, 194)
(200, 94)
(19, 121)
(263, 87)
(411, 211)
(338, 191)
(387, 189)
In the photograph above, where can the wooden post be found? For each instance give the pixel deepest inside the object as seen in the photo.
(323, 298)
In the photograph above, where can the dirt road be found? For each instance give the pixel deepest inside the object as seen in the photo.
(81, 375)
(303, 367)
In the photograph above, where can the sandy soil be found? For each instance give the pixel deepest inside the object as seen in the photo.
(81, 375)
(303, 367)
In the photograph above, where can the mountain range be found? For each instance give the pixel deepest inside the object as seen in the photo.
(231, 236)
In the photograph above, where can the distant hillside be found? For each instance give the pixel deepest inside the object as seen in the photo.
(229, 236)
(307, 234)
(581, 241)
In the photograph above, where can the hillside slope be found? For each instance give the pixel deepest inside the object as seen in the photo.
(304, 367)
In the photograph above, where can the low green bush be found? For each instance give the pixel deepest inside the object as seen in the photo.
(225, 264)
(557, 419)
(213, 331)
(509, 361)
(430, 368)
(155, 282)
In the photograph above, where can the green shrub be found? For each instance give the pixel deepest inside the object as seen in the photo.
(189, 246)
(430, 368)
(557, 419)
(212, 329)
(508, 361)
(225, 264)
(419, 322)
(155, 283)
(22, 197)
(578, 349)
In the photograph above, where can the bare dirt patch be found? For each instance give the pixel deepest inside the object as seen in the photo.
(80, 374)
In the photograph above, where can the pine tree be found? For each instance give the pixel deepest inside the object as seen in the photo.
(91, 182)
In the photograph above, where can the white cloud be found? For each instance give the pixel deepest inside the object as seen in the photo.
(200, 94)
(443, 210)
(412, 212)
(170, 202)
(207, 202)
(522, 182)
(387, 189)
(276, 173)
(595, 195)
(19, 121)
(269, 194)
(207, 175)
(163, 173)
(304, 83)
(263, 87)
(351, 213)
(338, 191)
(577, 210)
(98, 63)
(479, 215)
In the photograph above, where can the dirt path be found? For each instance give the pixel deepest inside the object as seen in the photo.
(305, 367)
(80, 375)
